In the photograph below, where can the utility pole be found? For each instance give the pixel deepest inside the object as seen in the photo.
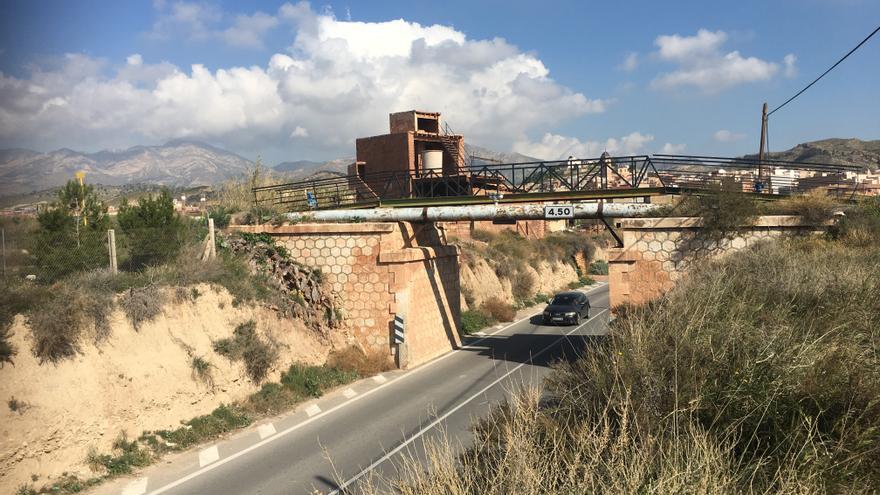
(761, 148)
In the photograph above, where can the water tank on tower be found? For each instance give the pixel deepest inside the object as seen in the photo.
(432, 161)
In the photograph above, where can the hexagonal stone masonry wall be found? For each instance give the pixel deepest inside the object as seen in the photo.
(383, 269)
(658, 251)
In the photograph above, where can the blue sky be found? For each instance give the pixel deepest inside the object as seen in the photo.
(300, 81)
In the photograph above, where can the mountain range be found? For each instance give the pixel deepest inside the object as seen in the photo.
(179, 163)
(189, 164)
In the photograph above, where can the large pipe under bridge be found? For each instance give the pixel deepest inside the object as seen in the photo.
(495, 213)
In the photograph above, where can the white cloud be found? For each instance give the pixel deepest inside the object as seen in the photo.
(676, 47)
(630, 63)
(557, 147)
(190, 19)
(248, 30)
(338, 81)
(134, 59)
(702, 63)
(725, 136)
(790, 68)
(673, 149)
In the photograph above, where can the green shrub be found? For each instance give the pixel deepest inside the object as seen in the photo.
(498, 309)
(126, 456)
(313, 381)
(221, 420)
(522, 285)
(599, 267)
(151, 231)
(245, 345)
(7, 348)
(221, 215)
(541, 298)
(201, 370)
(474, 321)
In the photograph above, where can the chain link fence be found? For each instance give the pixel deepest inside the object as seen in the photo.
(27, 253)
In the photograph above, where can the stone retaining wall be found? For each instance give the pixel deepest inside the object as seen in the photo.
(658, 251)
(382, 269)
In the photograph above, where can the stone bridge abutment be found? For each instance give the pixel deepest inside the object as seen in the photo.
(657, 252)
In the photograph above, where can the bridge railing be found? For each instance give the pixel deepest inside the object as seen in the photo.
(610, 175)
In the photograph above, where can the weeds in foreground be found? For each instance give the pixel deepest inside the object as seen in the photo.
(498, 309)
(757, 374)
(245, 345)
(473, 321)
(201, 370)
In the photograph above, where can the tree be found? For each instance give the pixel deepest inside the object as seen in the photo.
(151, 230)
(72, 233)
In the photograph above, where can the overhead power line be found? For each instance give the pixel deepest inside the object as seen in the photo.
(826, 72)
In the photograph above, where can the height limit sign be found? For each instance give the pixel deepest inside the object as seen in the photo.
(558, 211)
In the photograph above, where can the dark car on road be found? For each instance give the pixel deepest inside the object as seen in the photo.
(567, 308)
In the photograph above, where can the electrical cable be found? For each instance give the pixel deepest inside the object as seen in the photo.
(826, 72)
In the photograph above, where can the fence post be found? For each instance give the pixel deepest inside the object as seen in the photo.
(111, 248)
(212, 249)
(3, 235)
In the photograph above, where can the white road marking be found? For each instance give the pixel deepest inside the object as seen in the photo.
(136, 487)
(208, 456)
(379, 379)
(456, 408)
(295, 427)
(266, 430)
(312, 410)
(349, 393)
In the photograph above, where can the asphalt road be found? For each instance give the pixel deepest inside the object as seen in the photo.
(340, 440)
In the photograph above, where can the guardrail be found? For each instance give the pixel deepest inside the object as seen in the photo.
(611, 176)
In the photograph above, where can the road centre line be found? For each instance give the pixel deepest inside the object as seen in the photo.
(297, 426)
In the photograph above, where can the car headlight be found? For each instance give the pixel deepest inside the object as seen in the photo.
(546, 313)
(570, 313)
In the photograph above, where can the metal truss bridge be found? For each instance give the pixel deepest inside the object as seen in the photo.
(565, 180)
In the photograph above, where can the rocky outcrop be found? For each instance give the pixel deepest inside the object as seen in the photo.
(302, 287)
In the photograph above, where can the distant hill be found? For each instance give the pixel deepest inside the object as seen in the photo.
(484, 156)
(835, 151)
(295, 166)
(304, 169)
(178, 163)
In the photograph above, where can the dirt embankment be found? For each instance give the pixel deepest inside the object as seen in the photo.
(134, 381)
(479, 281)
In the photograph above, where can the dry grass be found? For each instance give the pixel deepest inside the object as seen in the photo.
(498, 309)
(759, 373)
(142, 304)
(363, 363)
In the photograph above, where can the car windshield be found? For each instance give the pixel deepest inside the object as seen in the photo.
(563, 300)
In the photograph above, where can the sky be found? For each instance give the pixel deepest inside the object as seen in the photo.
(293, 81)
